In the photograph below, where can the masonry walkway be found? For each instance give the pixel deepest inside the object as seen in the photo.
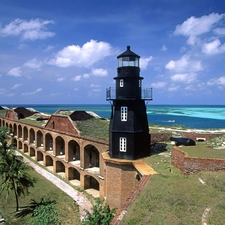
(79, 198)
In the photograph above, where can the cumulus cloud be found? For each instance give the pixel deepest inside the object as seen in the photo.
(85, 56)
(60, 79)
(219, 31)
(164, 48)
(144, 62)
(184, 64)
(213, 47)
(16, 72)
(15, 86)
(77, 78)
(158, 84)
(194, 27)
(183, 78)
(217, 81)
(33, 63)
(94, 85)
(28, 30)
(173, 88)
(99, 72)
(32, 92)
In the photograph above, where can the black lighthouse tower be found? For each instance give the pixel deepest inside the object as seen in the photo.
(129, 136)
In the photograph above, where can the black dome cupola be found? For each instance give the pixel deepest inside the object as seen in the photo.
(129, 136)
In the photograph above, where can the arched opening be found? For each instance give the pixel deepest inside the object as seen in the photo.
(25, 148)
(49, 163)
(74, 176)
(91, 185)
(0, 122)
(91, 156)
(11, 130)
(40, 157)
(32, 136)
(48, 142)
(60, 147)
(74, 152)
(39, 139)
(14, 142)
(3, 123)
(20, 146)
(19, 131)
(32, 152)
(14, 130)
(25, 134)
(60, 169)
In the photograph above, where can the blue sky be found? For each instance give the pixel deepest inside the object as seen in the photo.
(65, 51)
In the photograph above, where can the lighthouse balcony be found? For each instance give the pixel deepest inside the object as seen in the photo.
(146, 94)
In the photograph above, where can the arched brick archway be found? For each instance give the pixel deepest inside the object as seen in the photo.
(39, 141)
(20, 131)
(91, 156)
(14, 130)
(48, 142)
(20, 145)
(32, 152)
(60, 146)
(49, 163)
(73, 151)
(25, 134)
(25, 148)
(40, 157)
(60, 169)
(91, 185)
(32, 136)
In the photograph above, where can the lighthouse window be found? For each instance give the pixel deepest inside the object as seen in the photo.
(121, 83)
(123, 144)
(124, 113)
(139, 83)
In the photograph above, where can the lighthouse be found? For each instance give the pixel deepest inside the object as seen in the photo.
(129, 136)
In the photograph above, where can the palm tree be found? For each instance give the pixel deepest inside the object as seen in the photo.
(14, 176)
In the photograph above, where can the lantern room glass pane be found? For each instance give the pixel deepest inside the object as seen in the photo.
(128, 61)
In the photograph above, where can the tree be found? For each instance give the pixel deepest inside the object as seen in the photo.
(101, 214)
(44, 212)
(13, 171)
(3, 140)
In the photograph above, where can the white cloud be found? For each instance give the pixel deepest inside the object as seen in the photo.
(15, 86)
(76, 89)
(213, 47)
(95, 85)
(22, 46)
(164, 48)
(219, 31)
(173, 88)
(86, 75)
(77, 78)
(158, 84)
(32, 30)
(33, 92)
(184, 78)
(184, 64)
(144, 62)
(96, 90)
(194, 27)
(99, 72)
(49, 48)
(33, 63)
(60, 79)
(16, 72)
(217, 81)
(85, 56)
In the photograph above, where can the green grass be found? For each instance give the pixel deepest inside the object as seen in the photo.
(94, 128)
(3, 112)
(204, 151)
(68, 209)
(170, 198)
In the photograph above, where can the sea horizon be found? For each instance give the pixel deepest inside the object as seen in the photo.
(188, 115)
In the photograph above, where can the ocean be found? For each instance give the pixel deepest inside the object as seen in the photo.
(190, 116)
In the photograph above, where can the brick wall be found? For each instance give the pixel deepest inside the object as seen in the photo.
(188, 165)
(160, 137)
(194, 135)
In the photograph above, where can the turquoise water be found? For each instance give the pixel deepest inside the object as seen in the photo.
(192, 116)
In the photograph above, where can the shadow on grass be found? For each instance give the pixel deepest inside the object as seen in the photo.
(158, 148)
(26, 210)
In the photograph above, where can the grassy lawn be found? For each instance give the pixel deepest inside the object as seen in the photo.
(170, 198)
(204, 151)
(94, 128)
(68, 209)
